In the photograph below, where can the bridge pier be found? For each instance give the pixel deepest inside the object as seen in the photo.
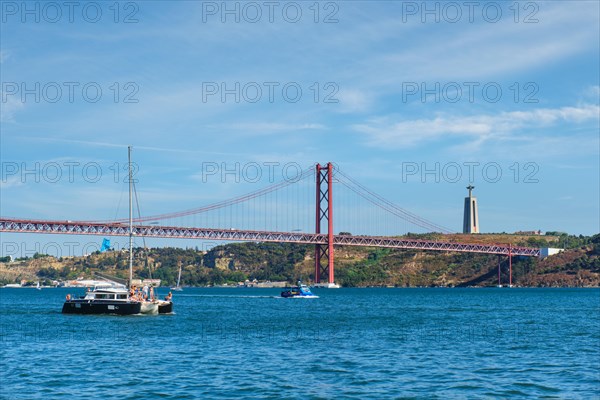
(499, 263)
(324, 210)
(509, 265)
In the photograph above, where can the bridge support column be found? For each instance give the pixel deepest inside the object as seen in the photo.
(499, 262)
(324, 210)
(509, 265)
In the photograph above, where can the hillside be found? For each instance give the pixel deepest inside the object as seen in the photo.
(578, 266)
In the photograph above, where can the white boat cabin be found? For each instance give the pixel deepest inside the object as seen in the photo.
(108, 293)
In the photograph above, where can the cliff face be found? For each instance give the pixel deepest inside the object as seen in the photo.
(355, 266)
(575, 268)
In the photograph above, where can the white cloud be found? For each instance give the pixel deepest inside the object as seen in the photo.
(268, 128)
(385, 132)
(12, 181)
(480, 51)
(593, 91)
(9, 108)
(353, 100)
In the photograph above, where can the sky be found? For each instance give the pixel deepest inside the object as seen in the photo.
(414, 100)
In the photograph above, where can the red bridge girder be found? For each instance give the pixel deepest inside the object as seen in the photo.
(119, 229)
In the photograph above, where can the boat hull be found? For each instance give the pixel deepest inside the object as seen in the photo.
(312, 296)
(149, 307)
(165, 307)
(101, 307)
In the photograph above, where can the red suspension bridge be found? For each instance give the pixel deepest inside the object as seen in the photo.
(276, 198)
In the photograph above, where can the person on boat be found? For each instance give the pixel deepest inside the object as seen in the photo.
(151, 293)
(145, 290)
(169, 296)
(68, 297)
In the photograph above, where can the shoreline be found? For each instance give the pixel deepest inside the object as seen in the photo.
(342, 287)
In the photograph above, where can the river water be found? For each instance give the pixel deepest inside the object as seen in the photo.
(349, 343)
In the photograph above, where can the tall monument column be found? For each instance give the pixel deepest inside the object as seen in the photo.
(471, 216)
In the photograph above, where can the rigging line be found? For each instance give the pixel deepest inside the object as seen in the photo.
(119, 203)
(137, 204)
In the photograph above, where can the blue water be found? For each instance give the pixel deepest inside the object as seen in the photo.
(349, 343)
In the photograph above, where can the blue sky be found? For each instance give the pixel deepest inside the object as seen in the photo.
(397, 90)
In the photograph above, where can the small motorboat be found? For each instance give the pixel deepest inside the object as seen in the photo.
(300, 291)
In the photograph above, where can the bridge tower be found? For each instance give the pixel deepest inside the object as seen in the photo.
(324, 211)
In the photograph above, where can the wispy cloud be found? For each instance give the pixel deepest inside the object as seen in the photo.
(593, 91)
(9, 108)
(474, 52)
(90, 143)
(354, 100)
(9, 182)
(267, 128)
(386, 132)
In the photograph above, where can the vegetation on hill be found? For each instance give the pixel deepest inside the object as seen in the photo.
(579, 265)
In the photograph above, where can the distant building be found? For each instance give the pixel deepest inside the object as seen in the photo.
(549, 251)
(538, 232)
(471, 216)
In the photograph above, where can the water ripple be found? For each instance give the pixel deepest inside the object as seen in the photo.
(355, 344)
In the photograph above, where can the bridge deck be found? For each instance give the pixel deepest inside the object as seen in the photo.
(120, 229)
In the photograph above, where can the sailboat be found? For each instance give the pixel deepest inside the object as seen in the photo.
(178, 287)
(115, 298)
(38, 287)
(148, 306)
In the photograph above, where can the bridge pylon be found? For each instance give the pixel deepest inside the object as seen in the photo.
(324, 211)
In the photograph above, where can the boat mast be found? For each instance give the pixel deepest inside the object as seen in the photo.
(179, 276)
(130, 216)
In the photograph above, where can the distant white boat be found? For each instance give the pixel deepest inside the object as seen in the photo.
(38, 287)
(178, 288)
(326, 285)
(13, 285)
